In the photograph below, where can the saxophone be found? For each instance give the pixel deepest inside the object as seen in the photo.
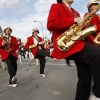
(5, 37)
(70, 37)
(38, 44)
(97, 39)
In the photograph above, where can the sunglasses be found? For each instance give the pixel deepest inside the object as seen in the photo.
(34, 31)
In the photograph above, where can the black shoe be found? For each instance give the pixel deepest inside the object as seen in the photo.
(69, 65)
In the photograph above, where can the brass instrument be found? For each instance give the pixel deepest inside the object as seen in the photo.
(32, 46)
(4, 37)
(37, 45)
(97, 39)
(75, 33)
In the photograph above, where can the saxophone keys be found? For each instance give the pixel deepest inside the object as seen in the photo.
(74, 38)
(69, 43)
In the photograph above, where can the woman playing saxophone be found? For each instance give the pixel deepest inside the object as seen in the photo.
(8, 46)
(5, 40)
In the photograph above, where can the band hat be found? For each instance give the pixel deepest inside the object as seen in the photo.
(34, 30)
(7, 28)
(91, 3)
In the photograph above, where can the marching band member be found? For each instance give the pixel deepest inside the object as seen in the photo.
(19, 51)
(2, 63)
(47, 45)
(61, 17)
(94, 21)
(38, 50)
(9, 56)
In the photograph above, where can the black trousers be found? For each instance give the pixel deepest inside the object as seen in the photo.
(88, 66)
(41, 54)
(84, 83)
(67, 61)
(11, 62)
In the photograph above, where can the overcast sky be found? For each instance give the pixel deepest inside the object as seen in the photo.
(21, 14)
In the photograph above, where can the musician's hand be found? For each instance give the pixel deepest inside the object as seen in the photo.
(98, 39)
(9, 50)
(79, 21)
(51, 44)
(5, 42)
(42, 42)
(32, 46)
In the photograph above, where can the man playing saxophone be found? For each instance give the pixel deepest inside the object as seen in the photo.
(61, 17)
(8, 46)
(95, 20)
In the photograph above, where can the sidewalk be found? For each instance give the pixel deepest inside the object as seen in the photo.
(60, 83)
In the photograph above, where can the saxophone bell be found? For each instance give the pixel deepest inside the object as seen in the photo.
(97, 39)
(5, 38)
(7, 45)
(64, 46)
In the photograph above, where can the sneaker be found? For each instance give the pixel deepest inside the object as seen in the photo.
(92, 97)
(37, 64)
(13, 85)
(14, 80)
(42, 75)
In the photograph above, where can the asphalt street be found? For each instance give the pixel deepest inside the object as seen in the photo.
(60, 83)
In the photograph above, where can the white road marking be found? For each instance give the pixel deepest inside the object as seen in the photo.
(46, 63)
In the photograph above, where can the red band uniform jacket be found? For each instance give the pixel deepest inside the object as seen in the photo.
(13, 46)
(60, 19)
(30, 41)
(94, 21)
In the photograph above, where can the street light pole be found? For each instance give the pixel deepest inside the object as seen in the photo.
(41, 26)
